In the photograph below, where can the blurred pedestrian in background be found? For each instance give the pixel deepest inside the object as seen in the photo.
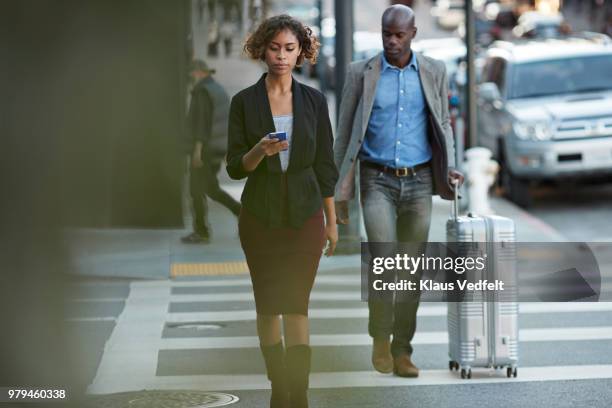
(394, 118)
(290, 187)
(214, 37)
(229, 29)
(207, 128)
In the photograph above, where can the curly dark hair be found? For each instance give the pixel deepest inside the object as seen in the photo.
(255, 46)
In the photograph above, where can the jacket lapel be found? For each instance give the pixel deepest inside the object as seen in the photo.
(437, 137)
(266, 121)
(427, 82)
(297, 137)
(370, 79)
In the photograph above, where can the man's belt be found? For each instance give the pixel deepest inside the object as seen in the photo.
(398, 172)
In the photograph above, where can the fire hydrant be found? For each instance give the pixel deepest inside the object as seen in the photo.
(481, 171)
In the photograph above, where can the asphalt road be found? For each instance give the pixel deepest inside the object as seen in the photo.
(182, 334)
(580, 211)
(91, 311)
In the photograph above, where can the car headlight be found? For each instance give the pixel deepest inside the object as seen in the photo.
(541, 130)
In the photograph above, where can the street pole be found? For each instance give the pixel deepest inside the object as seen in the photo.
(343, 44)
(349, 241)
(199, 28)
(470, 43)
(244, 29)
(321, 63)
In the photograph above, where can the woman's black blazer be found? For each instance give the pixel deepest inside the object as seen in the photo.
(311, 173)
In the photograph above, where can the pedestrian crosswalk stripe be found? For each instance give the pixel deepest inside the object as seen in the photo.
(351, 339)
(356, 379)
(248, 296)
(424, 310)
(130, 359)
(353, 281)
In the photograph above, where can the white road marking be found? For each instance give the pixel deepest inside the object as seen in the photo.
(352, 339)
(426, 309)
(248, 296)
(141, 322)
(361, 379)
(131, 354)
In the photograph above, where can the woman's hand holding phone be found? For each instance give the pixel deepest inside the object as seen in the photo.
(271, 146)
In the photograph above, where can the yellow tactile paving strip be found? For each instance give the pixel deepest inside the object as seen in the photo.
(209, 269)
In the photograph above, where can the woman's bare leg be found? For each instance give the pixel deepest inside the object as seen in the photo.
(269, 329)
(296, 329)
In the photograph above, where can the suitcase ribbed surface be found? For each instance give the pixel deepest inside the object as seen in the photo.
(483, 333)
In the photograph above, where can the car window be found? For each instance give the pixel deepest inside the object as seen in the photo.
(562, 76)
(547, 31)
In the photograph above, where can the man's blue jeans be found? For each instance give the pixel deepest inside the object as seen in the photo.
(395, 209)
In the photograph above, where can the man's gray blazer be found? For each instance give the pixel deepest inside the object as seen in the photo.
(355, 109)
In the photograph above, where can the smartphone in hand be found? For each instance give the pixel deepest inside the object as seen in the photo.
(281, 136)
(278, 135)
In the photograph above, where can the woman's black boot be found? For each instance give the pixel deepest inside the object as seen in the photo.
(274, 357)
(298, 371)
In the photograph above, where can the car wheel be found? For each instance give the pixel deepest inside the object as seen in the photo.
(515, 189)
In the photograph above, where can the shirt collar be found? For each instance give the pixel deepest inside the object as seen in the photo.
(412, 63)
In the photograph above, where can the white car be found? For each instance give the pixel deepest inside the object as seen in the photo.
(545, 110)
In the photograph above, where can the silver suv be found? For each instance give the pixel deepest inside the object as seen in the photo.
(545, 110)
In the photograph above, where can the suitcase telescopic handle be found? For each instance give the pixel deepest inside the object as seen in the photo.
(455, 208)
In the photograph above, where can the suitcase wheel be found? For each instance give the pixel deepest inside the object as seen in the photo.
(453, 365)
(511, 372)
(466, 373)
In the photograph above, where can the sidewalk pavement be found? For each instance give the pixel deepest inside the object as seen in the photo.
(153, 253)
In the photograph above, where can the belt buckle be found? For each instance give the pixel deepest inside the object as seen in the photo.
(401, 172)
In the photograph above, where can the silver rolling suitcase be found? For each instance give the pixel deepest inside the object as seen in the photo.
(483, 332)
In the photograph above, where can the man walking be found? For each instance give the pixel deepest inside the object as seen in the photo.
(207, 127)
(394, 119)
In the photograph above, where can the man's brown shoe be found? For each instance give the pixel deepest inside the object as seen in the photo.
(403, 367)
(381, 355)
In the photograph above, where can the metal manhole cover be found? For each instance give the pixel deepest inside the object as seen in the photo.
(163, 399)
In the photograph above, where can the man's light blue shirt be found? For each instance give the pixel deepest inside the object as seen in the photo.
(397, 131)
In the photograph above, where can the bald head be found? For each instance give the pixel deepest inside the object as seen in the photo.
(398, 14)
(398, 30)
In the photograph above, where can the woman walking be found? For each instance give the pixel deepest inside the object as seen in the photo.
(287, 205)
